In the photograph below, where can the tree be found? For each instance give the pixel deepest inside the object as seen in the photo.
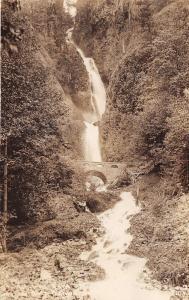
(11, 32)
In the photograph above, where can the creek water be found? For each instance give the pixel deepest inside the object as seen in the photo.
(123, 273)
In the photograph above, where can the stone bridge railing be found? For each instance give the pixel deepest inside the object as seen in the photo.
(107, 171)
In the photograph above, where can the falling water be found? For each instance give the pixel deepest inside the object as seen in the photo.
(98, 93)
(92, 150)
(98, 101)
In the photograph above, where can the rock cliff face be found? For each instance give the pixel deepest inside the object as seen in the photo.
(141, 49)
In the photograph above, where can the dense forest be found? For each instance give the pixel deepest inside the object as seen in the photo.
(39, 121)
(141, 49)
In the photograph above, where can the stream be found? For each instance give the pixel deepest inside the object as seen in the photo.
(124, 278)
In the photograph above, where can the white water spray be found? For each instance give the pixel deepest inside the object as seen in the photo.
(92, 149)
(98, 93)
(98, 102)
(70, 7)
(124, 280)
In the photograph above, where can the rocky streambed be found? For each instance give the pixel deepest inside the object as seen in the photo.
(80, 269)
(50, 273)
(125, 275)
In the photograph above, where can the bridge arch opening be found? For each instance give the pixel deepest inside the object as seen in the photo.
(96, 173)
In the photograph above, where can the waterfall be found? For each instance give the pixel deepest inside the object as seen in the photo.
(92, 149)
(92, 143)
(98, 93)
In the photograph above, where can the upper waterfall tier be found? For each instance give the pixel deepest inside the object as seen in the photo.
(92, 149)
(98, 93)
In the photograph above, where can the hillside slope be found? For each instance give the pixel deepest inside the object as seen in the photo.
(41, 121)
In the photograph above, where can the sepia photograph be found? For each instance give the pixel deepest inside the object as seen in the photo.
(94, 150)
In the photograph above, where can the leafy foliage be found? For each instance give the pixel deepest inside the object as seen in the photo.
(146, 121)
(38, 124)
(11, 31)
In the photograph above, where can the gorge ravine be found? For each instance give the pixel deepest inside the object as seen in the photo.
(123, 272)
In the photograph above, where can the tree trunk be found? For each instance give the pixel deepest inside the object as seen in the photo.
(5, 202)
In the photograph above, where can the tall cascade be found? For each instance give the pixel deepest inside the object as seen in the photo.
(92, 149)
(124, 277)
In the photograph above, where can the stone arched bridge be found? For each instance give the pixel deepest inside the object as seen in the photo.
(107, 171)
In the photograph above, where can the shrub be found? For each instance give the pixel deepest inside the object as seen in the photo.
(177, 145)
